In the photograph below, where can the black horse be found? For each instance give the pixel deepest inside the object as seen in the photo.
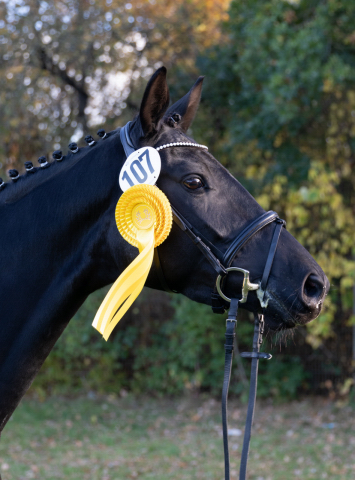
(59, 240)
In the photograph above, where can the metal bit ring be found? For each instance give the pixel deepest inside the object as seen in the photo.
(247, 285)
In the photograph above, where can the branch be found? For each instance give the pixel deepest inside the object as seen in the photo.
(48, 65)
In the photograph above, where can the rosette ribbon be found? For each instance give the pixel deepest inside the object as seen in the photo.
(144, 218)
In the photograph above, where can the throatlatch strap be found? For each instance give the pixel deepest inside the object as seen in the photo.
(160, 273)
(231, 323)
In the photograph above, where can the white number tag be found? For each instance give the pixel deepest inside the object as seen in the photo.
(142, 166)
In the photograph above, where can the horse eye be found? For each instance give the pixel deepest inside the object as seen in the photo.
(193, 183)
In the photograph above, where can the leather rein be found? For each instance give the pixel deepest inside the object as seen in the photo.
(221, 262)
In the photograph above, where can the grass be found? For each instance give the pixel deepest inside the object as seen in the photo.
(109, 438)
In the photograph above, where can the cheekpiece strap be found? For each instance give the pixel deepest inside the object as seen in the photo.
(272, 250)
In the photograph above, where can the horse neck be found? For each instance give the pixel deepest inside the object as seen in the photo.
(57, 241)
(60, 219)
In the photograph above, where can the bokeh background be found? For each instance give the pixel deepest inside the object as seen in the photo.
(278, 110)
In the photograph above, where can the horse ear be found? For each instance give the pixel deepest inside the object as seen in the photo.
(187, 106)
(155, 102)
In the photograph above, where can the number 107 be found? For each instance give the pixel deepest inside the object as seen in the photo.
(138, 171)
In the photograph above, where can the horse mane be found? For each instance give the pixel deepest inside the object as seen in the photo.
(28, 181)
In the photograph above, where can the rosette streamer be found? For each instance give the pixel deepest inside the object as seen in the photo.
(144, 218)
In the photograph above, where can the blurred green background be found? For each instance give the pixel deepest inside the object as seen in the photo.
(278, 110)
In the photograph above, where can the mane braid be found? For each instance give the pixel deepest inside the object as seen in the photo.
(26, 182)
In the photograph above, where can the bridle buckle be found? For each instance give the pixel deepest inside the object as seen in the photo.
(247, 285)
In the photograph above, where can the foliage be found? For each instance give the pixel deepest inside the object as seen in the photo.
(290, 74)
(68, 66)
(282, 377)
(182, 354)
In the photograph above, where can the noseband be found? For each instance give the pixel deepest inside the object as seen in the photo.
(221, 262)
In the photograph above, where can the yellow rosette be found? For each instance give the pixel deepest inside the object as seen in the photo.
(144, 218)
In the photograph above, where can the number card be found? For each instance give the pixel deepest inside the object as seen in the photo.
(142, 166)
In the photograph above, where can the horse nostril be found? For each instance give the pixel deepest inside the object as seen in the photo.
(313, 287)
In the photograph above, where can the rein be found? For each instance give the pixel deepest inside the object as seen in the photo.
(222, 265)
(231, 324)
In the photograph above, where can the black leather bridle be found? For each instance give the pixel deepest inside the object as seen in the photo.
(221, 262)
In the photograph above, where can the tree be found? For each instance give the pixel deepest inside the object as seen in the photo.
(68, 66)
(291, 124)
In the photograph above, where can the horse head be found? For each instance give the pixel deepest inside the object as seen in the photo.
(219, 208)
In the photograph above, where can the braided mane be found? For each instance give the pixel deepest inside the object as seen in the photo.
(23, 184)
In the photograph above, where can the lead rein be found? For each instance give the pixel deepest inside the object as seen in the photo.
(231, 323)
(255, 355)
